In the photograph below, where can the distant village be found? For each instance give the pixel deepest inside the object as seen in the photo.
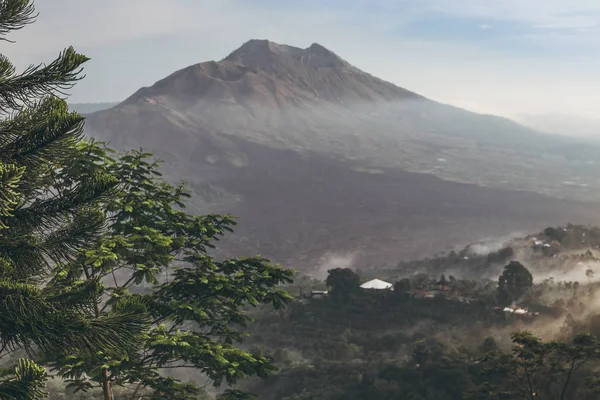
(422, 291)
(571, 247)
(440, 290)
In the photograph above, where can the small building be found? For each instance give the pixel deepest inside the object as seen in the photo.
(516, 310)
(377, 284)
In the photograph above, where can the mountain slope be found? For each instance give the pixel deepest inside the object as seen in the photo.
(311, 99)
(88, 108)
(565, 124)
(314, 212)
(221, 126)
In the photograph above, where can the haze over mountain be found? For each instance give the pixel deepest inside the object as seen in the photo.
(317, 157)
(562, 124)
(87, 108)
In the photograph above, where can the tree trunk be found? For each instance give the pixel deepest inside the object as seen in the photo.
(106, 389)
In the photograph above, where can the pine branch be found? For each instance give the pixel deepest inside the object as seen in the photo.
(21, 258)
(38, 81)
(25, 381)
(65, 243)
(43, 139)
(10, 176)
(46, 131)
(29, 317)
(44, 215)
(14, 15)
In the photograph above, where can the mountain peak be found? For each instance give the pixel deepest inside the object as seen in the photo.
(255, 45)
(266, 72)
(254, 51)
(262, 53)
(321, 57)
(317, 48)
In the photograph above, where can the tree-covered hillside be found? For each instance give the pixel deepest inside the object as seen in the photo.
(442, 336)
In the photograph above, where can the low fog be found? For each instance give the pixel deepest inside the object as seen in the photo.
(562, 124)
(332, 260)
(414, 134)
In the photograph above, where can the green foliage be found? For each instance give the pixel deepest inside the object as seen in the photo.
(171, 389)
(541, 369)
(557, 234)
(514, 282)
(434, 370)
(380, 345)
(26, 381)
(10, 175)
(343, 282)
(196, 303)
(402, 286)
(49, 216)
(84, 230)
(236, 395)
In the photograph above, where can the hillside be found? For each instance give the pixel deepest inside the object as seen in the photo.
(88, 108)
(428, 337)
(565, 124)
(320, 159)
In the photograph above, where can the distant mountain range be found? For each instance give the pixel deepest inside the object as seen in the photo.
(319, 158)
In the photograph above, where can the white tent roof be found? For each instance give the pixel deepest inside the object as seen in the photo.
(376, 284)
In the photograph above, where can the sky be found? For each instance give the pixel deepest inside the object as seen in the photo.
(503, 57)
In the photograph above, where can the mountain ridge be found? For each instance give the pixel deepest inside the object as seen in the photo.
(215, 121)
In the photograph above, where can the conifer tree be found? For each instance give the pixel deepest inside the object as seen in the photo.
(48, 215)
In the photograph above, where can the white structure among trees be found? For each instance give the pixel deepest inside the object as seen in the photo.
(377, 284)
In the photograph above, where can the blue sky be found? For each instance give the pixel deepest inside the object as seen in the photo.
(496, 56)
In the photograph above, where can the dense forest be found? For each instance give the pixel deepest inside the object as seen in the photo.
(444, 336)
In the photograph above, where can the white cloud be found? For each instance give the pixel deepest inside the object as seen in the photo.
(85, 23)
(578, 18)
(531, 11)
(88, 22)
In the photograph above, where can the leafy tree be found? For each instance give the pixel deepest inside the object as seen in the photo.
(343, 282)
(196, 308)
(589, 273)
(557, 234)
(420, 353)
(514, 282)
(537, 369)
(46, 221)
(443, 282)
(402, 286)
(489, 344)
